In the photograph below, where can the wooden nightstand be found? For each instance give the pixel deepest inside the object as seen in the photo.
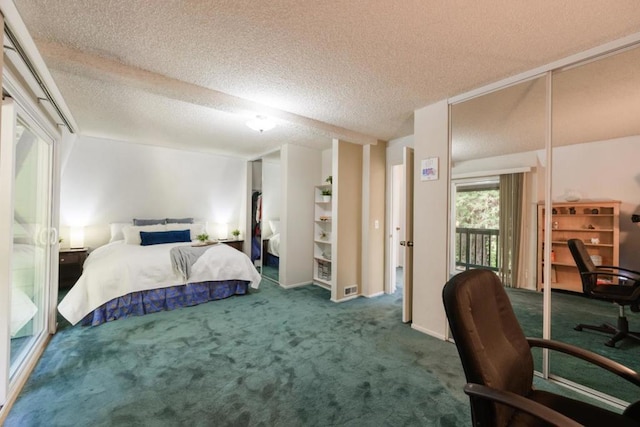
(70, 262)
(237, 244)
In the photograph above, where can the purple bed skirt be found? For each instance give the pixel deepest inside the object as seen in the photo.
(164, 299)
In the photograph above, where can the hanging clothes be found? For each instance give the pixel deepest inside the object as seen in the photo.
(256, 224)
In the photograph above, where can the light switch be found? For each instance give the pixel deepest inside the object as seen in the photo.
(376, 224)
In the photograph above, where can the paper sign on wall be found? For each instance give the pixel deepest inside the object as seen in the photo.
(429, 169)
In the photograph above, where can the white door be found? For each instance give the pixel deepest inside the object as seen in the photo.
(407, 241)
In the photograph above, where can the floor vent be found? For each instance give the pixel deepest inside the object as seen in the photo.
(351, 290)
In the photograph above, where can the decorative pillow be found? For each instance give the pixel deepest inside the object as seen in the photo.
(116, 230)
(275, 226)
(160, 237)
(132, 232)
(179, 220)
(141, 222)
(196, 228)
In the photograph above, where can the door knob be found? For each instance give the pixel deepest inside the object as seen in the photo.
(410, 243)
(403, 243)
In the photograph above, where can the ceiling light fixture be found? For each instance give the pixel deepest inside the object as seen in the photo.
(261, 124)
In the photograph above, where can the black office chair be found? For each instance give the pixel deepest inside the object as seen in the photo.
(498, 365)
(618, 285)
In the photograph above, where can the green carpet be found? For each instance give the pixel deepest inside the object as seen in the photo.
(567, 310)
(271, 272)
(272, 358)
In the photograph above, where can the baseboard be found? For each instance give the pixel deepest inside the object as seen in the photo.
(429, 332)
(377, 294)
(349, 298)
(295, 285)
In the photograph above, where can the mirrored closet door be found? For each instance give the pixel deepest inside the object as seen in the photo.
(254, 216)
(596, 190)
(497, 184)
(271, 206)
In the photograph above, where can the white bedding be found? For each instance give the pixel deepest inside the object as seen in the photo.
(118, 269)
(273, 247)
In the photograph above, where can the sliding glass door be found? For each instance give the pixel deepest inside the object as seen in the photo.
(27, 216)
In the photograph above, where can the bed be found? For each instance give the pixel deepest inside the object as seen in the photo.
(126, 278)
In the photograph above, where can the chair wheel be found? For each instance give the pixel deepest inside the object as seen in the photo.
(578, 328)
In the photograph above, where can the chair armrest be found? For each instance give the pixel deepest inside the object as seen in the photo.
(619, 272)
(521, 403)
(589, 356)
(613, 267)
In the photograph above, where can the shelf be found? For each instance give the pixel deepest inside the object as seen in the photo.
(319, 258)
(325, 242)
(322, 283)
(564, 242)
(574, 215)
(564, 264)
(564, 272)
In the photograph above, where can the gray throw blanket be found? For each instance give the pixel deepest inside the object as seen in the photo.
(183, 258)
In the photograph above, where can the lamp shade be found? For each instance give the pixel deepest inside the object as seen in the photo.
(76, 237)
(222, 231)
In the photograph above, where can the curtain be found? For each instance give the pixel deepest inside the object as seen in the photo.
(511, 199)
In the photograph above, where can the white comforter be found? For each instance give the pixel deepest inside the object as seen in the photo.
(118, 269)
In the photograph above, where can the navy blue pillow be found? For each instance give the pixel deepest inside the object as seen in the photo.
(148, 238)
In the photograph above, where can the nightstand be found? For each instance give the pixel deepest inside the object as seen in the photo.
(70, 262)
(237, 244)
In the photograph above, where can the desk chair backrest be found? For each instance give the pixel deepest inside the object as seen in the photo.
(584, 264)
(492, 347)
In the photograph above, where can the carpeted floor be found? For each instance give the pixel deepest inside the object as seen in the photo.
(280, 358)
(567, 310)
(272, 358)
(271, 272)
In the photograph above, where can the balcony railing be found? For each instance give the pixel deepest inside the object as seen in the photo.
(476, 248)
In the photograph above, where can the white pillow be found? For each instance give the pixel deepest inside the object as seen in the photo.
(195, 228)
(132, 232)
(275, 226)
(116, 230)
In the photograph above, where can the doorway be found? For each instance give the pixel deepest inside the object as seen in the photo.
(400, 231)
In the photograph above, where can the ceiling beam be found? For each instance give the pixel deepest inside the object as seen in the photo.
(59, 57)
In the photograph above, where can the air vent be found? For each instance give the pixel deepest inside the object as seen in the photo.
(351, 290)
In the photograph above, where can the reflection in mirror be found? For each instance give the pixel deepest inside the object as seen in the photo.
(596, 190)
(497, 160)
(255, 214)
(271, 202)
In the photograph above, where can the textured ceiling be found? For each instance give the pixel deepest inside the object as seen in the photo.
(190, 73)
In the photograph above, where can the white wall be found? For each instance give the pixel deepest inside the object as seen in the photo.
(108, 181)
(604, 170)
(301, 170)
(431, 213)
